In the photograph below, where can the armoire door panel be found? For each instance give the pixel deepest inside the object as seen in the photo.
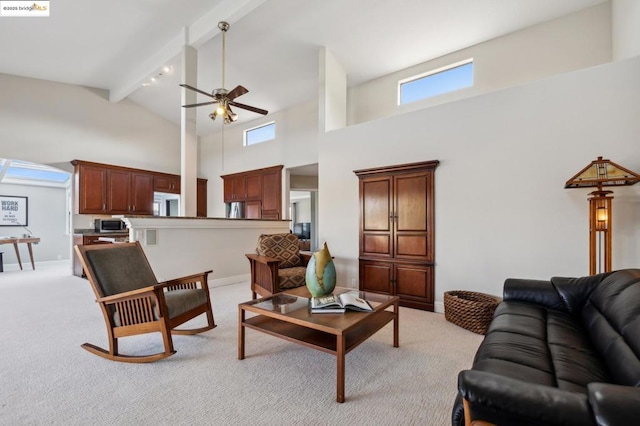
(412, 246)
(411, 202)
(377, 244)
(414, 282)
(376, 205)
(376, 277)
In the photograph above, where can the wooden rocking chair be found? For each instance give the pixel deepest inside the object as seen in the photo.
(133, 302)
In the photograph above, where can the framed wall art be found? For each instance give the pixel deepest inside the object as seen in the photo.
(13, 211)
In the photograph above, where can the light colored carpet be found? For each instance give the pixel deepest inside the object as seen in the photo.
(46, 378)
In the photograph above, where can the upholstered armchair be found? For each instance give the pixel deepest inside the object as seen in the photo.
(277, 265)
(133, 302)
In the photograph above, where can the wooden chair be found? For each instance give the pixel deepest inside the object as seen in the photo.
(133, 302)
(278, 264)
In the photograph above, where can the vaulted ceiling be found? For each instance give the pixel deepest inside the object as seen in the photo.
(272, 46)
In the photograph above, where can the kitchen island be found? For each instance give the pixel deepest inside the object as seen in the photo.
(179, 246)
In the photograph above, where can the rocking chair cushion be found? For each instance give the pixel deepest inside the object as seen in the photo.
(132, 271)
(181, 301)
(178, 302)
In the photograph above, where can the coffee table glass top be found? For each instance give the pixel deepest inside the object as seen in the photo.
(283, 303)
(298, 306)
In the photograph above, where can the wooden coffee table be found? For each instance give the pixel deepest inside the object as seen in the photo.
(286, 315)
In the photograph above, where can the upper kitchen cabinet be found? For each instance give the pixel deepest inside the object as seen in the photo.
(261, 189)
(166, 183)
(272, 193)
(90, 182)
(235, 189)
(106, 189)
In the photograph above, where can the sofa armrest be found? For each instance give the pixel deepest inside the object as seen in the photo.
(502, 400)
(614, 404)
(533, 291)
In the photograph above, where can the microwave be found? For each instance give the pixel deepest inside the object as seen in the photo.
(109, 225)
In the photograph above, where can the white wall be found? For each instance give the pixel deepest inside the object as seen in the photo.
(501, 207)
(47, 220)
(568, 43)
(46, 122)
(295, 145)
(625, 15)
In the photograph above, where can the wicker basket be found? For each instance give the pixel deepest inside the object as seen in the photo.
(470, 310)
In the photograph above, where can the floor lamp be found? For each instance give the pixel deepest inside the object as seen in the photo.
(599, 174)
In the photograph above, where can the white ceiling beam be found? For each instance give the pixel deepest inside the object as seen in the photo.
(197, 34)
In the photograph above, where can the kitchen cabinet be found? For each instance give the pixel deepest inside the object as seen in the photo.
(107, 189)
(272, 194)
(166, 183)
(129, 192)
(235, 189)
(397, 232)
(91, 193)
(253, 210)
(201, 197)
(260, 190)
(253, 187)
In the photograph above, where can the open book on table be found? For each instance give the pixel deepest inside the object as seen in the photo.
(336, 304)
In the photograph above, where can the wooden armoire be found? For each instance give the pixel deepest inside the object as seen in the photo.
(397, 232)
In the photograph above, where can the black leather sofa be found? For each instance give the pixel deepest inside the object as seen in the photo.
(559, 352)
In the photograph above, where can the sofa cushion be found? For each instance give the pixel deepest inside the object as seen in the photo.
(283, 247)
(542, 346)
(612, 318)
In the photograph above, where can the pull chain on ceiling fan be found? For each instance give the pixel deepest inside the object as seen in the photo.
(221, 96)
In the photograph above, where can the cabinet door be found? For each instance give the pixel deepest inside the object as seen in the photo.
(271, 195)
(376, 216)
(253, 210)
(376, 277)
(414, 285)
(227, 184)
(92, 195)
(141, 201)
(201, 198)
(118, 191)
(166, 183)
(253, 186)
(411, 214)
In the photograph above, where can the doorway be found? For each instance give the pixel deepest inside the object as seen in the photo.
(303, 204)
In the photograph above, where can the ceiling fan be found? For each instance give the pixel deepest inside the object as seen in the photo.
(223, 97)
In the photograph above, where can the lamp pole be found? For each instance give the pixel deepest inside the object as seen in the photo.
(600, 231)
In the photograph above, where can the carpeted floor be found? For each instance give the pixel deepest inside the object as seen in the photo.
(46, 378)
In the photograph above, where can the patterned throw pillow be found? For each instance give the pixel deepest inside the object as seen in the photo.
(283, 247)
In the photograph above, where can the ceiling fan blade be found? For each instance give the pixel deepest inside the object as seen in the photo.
(200, 104)
(237, 92)
(197, 90)
(249, 108)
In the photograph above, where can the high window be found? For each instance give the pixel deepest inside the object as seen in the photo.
(436, 82)
(262, 133)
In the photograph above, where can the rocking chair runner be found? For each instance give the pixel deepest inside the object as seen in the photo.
(133, 302)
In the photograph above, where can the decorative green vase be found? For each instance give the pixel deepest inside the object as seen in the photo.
(321, 273)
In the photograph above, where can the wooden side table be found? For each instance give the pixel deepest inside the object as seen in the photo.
(28, 241)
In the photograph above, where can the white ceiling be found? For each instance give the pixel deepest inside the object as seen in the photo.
(272, 46)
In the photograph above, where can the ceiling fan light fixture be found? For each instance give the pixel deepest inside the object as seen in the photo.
(223, 97)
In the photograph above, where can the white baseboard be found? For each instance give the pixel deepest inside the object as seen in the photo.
(219, 282)
(438, 307)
